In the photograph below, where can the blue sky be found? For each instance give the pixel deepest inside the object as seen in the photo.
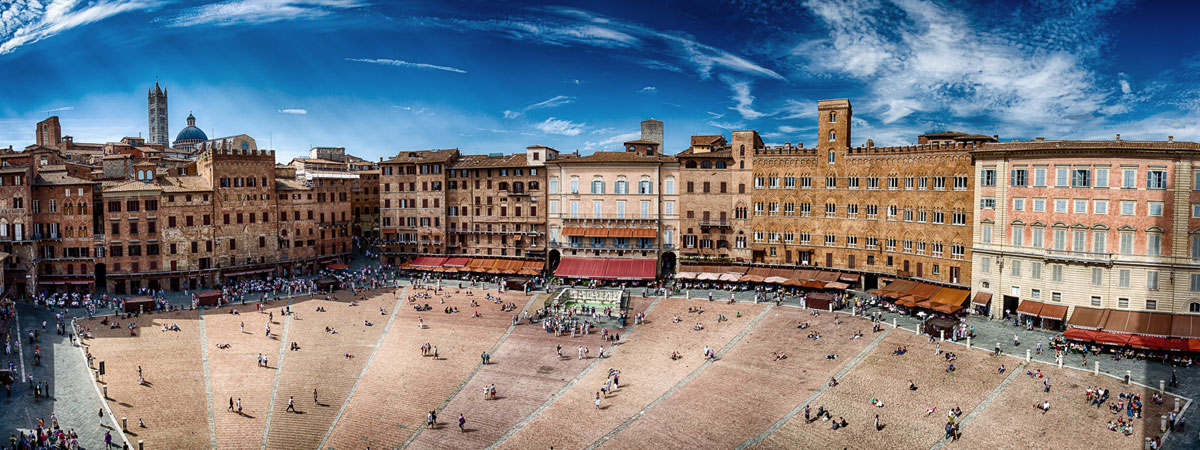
(379, 77)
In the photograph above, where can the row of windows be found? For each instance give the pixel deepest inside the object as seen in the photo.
(621, 186)
(957, 251)
(1076, 240)
(870, 211)
(958, 183)
(705, 165)
(1079, 176)
(598, 209)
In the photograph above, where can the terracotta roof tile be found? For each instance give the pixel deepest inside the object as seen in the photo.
(615, 157)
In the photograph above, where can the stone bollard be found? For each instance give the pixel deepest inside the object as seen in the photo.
(105, 388)
(1149, 443)
(1162, 427)
(1096, 371)
(1128, 376)
(831, 307)
(968, 342)
(893, 322)
(1027, 355)
(1162, 386)
(687, 294)
(125, 425)
(141, 445)
(1176, 404)
(1060, 363)
(942, 335)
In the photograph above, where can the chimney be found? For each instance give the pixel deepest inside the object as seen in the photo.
(1118, 136)
(996, 137)
(1039, 139)
(1170, 138)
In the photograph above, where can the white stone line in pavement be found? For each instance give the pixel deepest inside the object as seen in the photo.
(546, 404)
(466, 380)
(287, 323)
(212, 425)
(844, 370)
(116, 425)
(370, 359)
(684, 381)
(983, 404)
(20, 345)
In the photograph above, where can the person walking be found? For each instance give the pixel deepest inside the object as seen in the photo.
(231, 403)
(461, 422)
(597, 400)
(239, 405)
(101, 417)
(315, 396)
(291, 404)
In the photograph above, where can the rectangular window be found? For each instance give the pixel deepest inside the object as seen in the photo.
(1100, 207)
(1019, 204)
(1101, 180)
(1123, 277)
(1156, 179)
(1126, 243)
(1016, 268)
(1154, 244)
(1152, 280)
(1081, 206)
(1018, 235)
(987, 203)
(1151, 304)
(1039, 177)
(1097, 276)
(1095, 300)
(1035, 270)
(1060, 240)
(1018, 178)
(1155, 208)
(1060, 205)
(985, 264)
(1039, 236)
(1081, 178)
(1078, 240)
(986, 233)
(1056, 272)
(1061, 176)
(1195, 247)
(1039, 205)
(1128, 207)
(1195, 285)
(987, 177)
(1129, 178)
(1098, 244)
(1122, 303)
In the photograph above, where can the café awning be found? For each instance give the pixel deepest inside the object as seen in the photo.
(631, 269)
(1079, 334)
(685, 275)
(428, 261)
(1029, 308)
(455, 262)
(1055, 312)
(981, 299)
(1087, 318)
(580, 268)
(1112, 338)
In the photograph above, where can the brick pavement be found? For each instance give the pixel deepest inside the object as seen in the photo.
(387, 409)
(647, 373)
(1011, 422)
(747, 390)
(885, 376)
(172, 404)
(234, 372)
(320, 364)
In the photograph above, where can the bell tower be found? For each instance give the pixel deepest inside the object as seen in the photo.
(833, 128)
(156, 105)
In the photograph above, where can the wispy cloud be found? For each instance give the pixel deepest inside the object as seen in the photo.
(416, 111)
(23, 22)
(726, 125)
(294, 111)
(61, 108)
(236, 12)
(798, 109)
(924, 57)
(570, 27)
(548, 103)
(611, 140)
(741, 96)
(648, 90)
(402, 63)
(560, 126)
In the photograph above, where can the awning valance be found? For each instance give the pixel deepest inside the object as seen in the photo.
(1087, 318)
(1055, 312)
(1029, 308)
(981, 299)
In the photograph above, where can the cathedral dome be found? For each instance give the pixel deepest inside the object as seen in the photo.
(191, 133)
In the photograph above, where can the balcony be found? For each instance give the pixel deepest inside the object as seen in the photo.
(710, 223)
(1070, 255)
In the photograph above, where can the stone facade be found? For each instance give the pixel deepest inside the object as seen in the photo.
(714, 201)
(1105, 224)
(879, 211)
(496, 204)
(156, 107)
(62, 224)
(413, 213)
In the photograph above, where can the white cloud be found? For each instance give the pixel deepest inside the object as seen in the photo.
(61, 108)
(401, 63)
(920, 56)
(23, 22)
(552, 102)
(573, 27)
(562, 127)
(726, 125)
(602, 130)
(798, 109)
(741, 95)
(611, 140)
(648, 90)
(236, 12)
(1124, 82)
(787, 129)
(294, 111)
(414, 110)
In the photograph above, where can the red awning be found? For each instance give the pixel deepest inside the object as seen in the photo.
(630, 269)
(428, 261)
(1147, 342)
(455, 262)
(1079, 334)
(1175, 345)
(1112, 338)
(248, 272)
(1193, 345)
(1029, 307)
(580, 268)
(338, 267)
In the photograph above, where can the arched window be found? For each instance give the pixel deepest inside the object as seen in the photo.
(1194, 307)
(553, 185)
(645, 186)
(742, 150)
(518, 187)
(689, 165)
(832, 157)
(621, 186)
(741, 164)
(986, 285)
(574, 185)
(706, 165)
(833, 117)
(720, 164)
(598, 185)
(832, 136)
(533, 185)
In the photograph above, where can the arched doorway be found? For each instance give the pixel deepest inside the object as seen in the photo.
(666, 264)
(552, 262)
(101, 275)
